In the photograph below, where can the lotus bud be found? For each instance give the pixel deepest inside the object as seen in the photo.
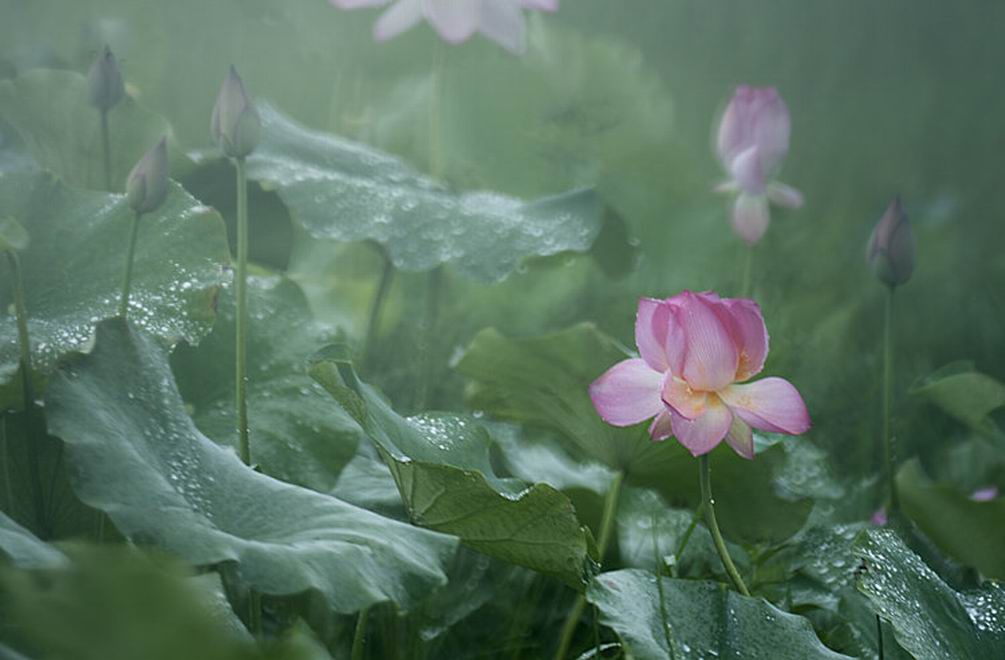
(235, 124)
(104, 81)
(147, 184)
(891, 248)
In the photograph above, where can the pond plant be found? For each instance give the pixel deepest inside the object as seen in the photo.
(431, 348)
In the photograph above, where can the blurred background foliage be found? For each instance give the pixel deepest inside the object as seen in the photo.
(899, 97)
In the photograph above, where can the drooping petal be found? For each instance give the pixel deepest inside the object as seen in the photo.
(751, 335)
(750, 218)
(711, 357)
(748, 171)
(402, 16)
(454, 20)
(741, 438)
(701, 435)
(651, 325)
(502, 21)
(772, 404)
(540, 5)
(784, 195)
(627, 393)
(682, 399)
(661, 428)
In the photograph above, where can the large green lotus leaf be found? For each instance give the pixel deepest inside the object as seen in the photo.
(295, 434)
(930, 619)
(74, 263)
(61, 130)
(703, 619)
(966, 394)
(441, 465)
(343, 190)
(954, 521)
(24, 549)
(544, 381)
(137, 456)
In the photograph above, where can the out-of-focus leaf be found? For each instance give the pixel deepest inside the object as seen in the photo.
(50, 111)
(702, 618)
(12, 235)
(649, 533)
(296, 436)
(544, 381)
(931, 620)
(140, 459)
(971, 532)
(344, 190)
(24, 549)
(964, 393)
(73, 269)
(441, 465)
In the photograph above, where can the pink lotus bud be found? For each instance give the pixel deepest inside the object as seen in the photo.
(753, 136)
(235, 125)
(146, 186)
(104, 81)
(890, 251)
(984, 494)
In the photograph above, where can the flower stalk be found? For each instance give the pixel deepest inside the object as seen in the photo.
(241, 348)
(708, 502)
(127, 278)
(606, 529)
(890, 460)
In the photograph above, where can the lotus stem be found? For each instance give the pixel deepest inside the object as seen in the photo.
(889, 441)
(748, 273)
(606, 529)
(377, 307)
(705, 477)
(690, 531)
(241, 360)
(127, 278)
(28, 393)
(106, 150)
(359, 636)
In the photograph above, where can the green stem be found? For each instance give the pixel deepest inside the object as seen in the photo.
(888, 439)
(748, 273)
(659, 582)
(28, 393)
(241, 360)
(606, 529)
(687, 535)
(359, 636)
(106, 150)
(255, 612)
(127, 278)
(435, 102)
(705, 477)
(377, 307)
(879, 633)
(434, 286)
(5, 456)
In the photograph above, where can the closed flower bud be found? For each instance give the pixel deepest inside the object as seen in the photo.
(147, 184)
(235, 124)
(104, 81)
(891, 248)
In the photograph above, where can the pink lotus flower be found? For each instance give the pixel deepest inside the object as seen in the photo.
(752, 142)
(695, 350)
(456, 21)
(984, 494)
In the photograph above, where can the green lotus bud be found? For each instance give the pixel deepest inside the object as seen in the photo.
(235, 124)
(147, 184)
(890, 251)
(104, 81)
(12, 235)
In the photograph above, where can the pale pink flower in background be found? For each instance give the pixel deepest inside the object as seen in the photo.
(456, 21)
(696, 349)
(879, 518)
(984, 494)
(751, 144)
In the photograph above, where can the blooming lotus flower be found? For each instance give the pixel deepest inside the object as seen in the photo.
(456, 21)
(752, 142)
(890, 251)
(697, 349)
